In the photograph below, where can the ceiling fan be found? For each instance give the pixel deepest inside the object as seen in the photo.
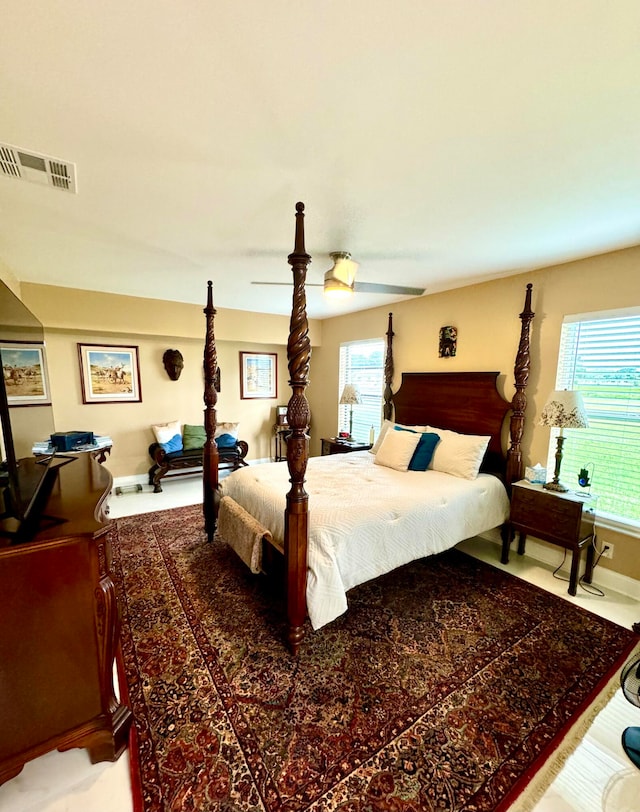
(340, 280)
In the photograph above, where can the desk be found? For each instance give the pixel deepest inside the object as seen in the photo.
(98, 450)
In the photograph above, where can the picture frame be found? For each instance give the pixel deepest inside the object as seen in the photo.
(26, 379)
(109, 373)
(281, 416)
(258, 375)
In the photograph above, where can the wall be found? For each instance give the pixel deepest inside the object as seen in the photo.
(71, 317)
(486, 316)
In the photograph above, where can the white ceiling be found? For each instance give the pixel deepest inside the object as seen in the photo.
(439, 141)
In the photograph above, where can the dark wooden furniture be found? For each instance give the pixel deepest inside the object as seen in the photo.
(466, 402)
(334, 445)
(565, 519)
(183, 463)
(281, 433)
(59, 628)
(99, 454)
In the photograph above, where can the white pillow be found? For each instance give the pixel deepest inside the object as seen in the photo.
(396, 449)
(226, 428)
(458, 454)
(389, 424)
(169, 435)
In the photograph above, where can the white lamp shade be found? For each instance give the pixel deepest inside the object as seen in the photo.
(339, 280)
(564, 409)
(350, 395)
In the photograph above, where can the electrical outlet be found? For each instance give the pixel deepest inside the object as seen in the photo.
(608, 549)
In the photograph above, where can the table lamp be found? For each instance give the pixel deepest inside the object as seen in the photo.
(564, 409)
(350, 395)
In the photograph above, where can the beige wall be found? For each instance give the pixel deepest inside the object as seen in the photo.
(486, 316)
(72, 316)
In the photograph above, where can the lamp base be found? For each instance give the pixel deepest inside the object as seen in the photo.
(555, 486)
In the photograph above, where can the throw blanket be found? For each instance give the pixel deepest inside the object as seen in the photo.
(242, 533)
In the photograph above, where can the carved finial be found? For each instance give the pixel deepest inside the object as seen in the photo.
(209, 308)
(299, 252)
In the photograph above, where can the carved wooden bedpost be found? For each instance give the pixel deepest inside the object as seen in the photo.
(388, 372)
(298, 417)
(210, 456)
(519, 402)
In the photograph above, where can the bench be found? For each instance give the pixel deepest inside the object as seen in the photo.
(185, 462)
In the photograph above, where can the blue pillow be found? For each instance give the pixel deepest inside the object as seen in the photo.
(423, 454)
(173, 444)
(424, 450)
(226, 441)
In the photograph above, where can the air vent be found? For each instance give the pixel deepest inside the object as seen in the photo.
(36, 168)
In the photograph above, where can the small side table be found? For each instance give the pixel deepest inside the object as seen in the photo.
(565, 519)
(281, 432)
(334, 445)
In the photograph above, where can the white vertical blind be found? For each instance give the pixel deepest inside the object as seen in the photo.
(600, 357)
(362, 364)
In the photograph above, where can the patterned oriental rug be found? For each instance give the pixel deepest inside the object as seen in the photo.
(448, 685)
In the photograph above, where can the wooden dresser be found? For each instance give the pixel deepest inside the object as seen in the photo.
(59, 629)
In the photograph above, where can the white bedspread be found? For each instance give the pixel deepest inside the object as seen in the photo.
(366, 520)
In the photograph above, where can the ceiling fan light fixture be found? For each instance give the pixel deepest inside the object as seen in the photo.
(335, 288)
(338, 282)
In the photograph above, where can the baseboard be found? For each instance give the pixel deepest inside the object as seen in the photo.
(130, 481)
(547, 555)
(143, 479)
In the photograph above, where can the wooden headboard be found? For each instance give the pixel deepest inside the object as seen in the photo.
(466, 402)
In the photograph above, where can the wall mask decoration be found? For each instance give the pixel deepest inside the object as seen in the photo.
(448, 341)
(173, 363)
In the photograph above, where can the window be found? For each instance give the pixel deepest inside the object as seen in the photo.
(362, 364)
(600, 357)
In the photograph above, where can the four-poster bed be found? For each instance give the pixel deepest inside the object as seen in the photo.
(458, 404)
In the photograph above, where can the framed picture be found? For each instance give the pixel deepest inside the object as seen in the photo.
(109, 374)
(258, 375)
(24, 367)
(281, 415)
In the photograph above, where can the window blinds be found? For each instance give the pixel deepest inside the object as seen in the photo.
(600, 357)
(362, 364)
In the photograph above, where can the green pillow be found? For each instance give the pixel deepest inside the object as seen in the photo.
(193, 437)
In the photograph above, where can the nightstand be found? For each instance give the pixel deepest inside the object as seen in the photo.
(336, 446)
(565, 519)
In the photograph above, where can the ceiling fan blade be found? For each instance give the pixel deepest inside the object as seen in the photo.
(308, 284)
(373, 287)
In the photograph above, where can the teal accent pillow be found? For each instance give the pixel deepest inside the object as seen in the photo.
(423, 454)
(193, 437)
(226, 441)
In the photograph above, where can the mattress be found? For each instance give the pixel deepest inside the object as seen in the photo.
(366, 519)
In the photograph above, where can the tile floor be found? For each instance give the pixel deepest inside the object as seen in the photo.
(598, 777)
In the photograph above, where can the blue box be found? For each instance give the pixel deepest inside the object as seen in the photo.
(68, 440)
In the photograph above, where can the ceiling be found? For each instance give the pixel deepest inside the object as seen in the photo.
(439, 142)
